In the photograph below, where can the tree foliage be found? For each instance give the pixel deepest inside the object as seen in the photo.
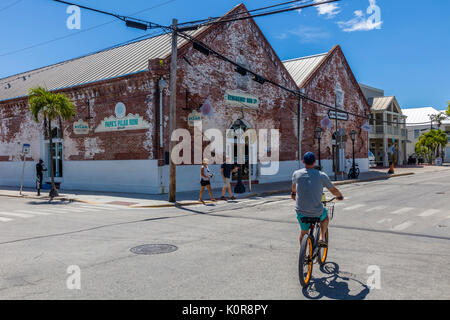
(430, 142)
(50, 106)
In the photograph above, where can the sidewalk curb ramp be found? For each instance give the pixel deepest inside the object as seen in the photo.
(191, 203)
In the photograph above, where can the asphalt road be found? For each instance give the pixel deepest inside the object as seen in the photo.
(396, 232)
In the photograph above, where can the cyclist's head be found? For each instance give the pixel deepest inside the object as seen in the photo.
(309, 159)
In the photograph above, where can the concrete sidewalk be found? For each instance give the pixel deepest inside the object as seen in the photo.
(135, 200)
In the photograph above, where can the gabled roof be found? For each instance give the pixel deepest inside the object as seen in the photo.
(301, 68)
(383, 103)
(112, 63)
(421, 115)
(106, 64)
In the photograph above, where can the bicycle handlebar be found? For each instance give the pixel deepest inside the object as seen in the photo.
(331, 200)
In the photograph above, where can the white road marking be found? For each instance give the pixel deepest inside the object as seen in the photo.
(384, 220)
(428, 213)
(376, 208)
(5, 219)
(17, 215)
(357, 206)
(403, 226)
(35, 212)
(402, 210)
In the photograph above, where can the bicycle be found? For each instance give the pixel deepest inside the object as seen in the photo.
(353, 173)
(309, 249)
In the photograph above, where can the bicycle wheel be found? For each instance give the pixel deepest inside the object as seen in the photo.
(323, 252)
(305, 263)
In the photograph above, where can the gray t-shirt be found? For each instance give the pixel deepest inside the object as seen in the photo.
(310, 183)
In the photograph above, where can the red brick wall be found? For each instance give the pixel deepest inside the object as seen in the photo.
(135, 91)
(209, 78)
(321, 87)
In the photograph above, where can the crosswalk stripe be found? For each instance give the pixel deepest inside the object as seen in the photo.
(428, 213)
(376, 208)
(357, 206)
(99, 207)
(5, 219)
(403, 226)
(402, 210)
(40, 213)
(17, 215)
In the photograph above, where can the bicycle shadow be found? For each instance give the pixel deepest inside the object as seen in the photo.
(330, 287)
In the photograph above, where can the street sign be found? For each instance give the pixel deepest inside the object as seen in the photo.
(340, 115)
(26, 148)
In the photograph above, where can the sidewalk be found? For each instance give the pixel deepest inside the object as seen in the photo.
(190, 197)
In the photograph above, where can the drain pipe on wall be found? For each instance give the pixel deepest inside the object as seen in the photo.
(162, 84)
(299, 128)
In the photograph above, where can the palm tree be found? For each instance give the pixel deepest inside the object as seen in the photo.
(438, 118)
(51, 106)
(441, 140)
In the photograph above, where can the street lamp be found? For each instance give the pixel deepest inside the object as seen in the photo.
(240, 187)
(353, 137)
(318, 135)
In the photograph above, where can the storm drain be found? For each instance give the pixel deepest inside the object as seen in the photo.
(149, 249)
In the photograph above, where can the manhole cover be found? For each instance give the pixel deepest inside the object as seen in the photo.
(149, 249)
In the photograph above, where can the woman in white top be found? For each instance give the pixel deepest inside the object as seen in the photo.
(205, 177)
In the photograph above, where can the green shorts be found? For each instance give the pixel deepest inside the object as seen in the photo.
(306, 226)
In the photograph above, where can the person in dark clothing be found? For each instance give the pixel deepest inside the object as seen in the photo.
(227, 169)
(40, 168)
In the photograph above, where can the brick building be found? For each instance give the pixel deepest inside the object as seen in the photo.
(115, 141)
(324, 77)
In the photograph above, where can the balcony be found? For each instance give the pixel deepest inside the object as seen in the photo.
(390, 130)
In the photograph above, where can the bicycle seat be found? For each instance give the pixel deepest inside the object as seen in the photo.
(310, 220)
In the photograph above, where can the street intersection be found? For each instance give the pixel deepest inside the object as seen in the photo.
(397, 229)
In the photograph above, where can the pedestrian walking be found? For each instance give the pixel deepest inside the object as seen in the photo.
(226, 170)
(40, 168)
(205, 180)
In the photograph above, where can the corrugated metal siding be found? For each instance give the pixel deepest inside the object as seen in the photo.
(127, 59)
(301, 68)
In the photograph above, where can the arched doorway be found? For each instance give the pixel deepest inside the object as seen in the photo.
(243, 125)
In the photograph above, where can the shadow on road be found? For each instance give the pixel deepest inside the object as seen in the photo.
(335, 285)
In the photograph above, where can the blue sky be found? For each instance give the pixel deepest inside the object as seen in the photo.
(403, 48)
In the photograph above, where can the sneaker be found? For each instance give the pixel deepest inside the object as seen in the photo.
(233, 198)
(223, 198)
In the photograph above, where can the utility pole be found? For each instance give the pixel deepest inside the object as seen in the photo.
(173, 111)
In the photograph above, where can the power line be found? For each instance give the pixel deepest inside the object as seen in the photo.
(79, 32)
(150, 25)
(241, 13)
(37, 71)
(292, 8)
(9, 6)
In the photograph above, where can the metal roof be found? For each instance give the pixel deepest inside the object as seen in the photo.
(119, 61)
(421, 115)
(380, 103)
(301, 68)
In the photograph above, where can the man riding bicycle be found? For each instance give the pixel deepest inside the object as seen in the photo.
(307, 191)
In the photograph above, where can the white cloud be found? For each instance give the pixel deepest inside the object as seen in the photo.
(362, 23)
(307, 34)
(328, 9)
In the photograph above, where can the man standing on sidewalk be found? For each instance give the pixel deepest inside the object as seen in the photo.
(227, 169)
(40, 168)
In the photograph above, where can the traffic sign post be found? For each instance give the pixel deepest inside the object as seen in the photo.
(25, 151)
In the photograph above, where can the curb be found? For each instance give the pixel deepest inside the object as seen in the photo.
(191, 203)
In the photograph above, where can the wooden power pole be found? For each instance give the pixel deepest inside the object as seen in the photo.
(173, 111)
